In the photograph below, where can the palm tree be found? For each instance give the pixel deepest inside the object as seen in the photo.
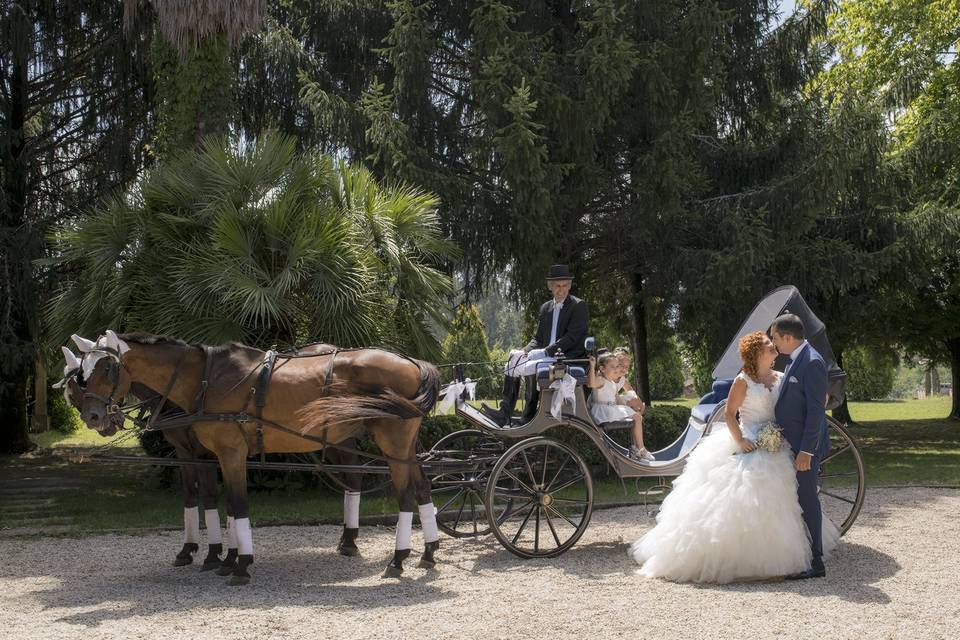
(193, 74)
(263, 244)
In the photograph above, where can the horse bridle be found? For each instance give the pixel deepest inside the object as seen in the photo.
(112, 407)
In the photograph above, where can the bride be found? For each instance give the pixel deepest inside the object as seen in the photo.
(734, 517)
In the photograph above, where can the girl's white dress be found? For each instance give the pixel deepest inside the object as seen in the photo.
(604, 407)
(732, 516)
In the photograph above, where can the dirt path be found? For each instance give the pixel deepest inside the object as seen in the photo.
(894, 576)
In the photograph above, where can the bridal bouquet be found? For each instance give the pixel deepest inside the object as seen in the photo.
(770, 437)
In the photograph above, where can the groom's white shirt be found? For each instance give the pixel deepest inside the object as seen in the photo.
(786, 374)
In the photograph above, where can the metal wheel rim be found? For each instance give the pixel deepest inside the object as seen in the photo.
(839, 470)
(511, 504)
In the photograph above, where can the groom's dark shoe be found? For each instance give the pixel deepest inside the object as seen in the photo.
(816, 572)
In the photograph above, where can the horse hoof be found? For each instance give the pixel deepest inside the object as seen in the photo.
(350, 552)
(226, 569)
(392, 572)
(210, 566)
(237, 581)
(185, 556)
(426, 564)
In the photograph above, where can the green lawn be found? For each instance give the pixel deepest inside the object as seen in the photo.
(906, 442)
(85, 439)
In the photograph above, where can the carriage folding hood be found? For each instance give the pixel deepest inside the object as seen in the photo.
(786, 299)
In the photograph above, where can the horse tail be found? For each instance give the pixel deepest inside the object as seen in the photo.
(376, 404)
(429, 390)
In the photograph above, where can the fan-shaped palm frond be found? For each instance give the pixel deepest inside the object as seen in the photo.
(262, 244)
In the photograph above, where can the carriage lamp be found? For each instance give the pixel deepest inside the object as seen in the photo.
(558, 371)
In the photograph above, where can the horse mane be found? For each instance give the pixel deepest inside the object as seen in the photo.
(140, 337)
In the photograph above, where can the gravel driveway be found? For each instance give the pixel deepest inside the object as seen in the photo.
(894, 576)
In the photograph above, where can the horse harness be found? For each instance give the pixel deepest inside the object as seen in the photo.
(257, 396)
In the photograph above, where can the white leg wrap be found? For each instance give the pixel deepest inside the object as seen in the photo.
(231, 533)
(212, 519)
(404, 529)
(191, 525)
(244, 536)
(428, 521)
(351, 509)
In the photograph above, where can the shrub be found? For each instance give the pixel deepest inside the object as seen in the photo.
(155, 444)
(870, 372)
(63, 418)
(467, 342)
(666, 373)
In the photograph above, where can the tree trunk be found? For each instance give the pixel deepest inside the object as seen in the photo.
(639, 321)
(16, 308)
(934, 381)
(953, 346)
(194, 93)
(40, 421)
(842, 413)
(928, 382)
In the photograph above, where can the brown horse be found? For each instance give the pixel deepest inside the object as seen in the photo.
(310, 402)
(201, 480)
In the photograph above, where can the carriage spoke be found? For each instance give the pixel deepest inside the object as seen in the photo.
(508, 513)
(536, 532)
(543, 475)
(450, 501)
(834, 454)
(552, 529)
(833, 495)
(519, 481)
(460, 513)
(570, 501)
(526, 462)
(473, 512)
(569, 521)
(523, 524)
(568, 483)
(838, 475)
(557, 474)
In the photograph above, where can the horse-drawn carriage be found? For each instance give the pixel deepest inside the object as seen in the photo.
(534, 492)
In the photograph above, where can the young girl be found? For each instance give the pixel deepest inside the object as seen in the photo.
(627, 395)
(606, 406)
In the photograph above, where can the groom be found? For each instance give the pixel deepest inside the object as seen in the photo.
(801, 413)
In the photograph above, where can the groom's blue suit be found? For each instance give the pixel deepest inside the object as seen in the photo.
(802, 415)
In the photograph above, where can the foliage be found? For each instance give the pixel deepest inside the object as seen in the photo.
(266, 245)
(63, 417)
(155, 445)
(74, 101)
(901, 57)
(666, 373)
(467, 342)
(194, 91)
(870, 372)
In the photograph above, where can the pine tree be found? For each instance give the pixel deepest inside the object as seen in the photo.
(74, 98)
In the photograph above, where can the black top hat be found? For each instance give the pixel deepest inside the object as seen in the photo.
(559, 272)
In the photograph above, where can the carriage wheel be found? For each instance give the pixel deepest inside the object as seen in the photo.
(458, 495)
(369, 482)
(841, 480)
(539, 498)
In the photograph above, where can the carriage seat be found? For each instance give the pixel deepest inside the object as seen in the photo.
(719, 392)
(543, 374)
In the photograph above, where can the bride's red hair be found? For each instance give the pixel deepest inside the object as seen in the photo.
(751, 346)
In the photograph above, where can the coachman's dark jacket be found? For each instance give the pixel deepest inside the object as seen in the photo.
(571, 329)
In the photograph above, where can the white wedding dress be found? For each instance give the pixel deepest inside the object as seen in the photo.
(732, 517)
